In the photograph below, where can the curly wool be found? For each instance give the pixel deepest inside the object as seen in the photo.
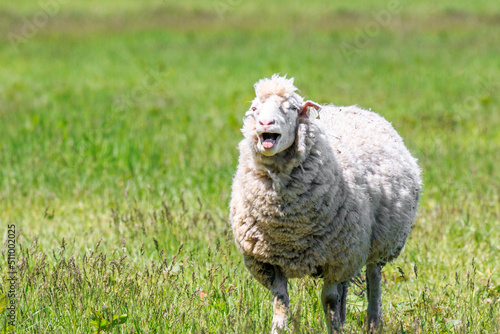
(342, 196)
(276, 85)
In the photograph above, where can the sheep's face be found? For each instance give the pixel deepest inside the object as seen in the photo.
(275, 123)
(271, 122)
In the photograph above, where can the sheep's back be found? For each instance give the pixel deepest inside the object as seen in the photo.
(379, 169)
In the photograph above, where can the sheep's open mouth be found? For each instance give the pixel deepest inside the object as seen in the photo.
(268, 139)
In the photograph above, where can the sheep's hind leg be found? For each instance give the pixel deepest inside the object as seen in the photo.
(374, 292)
(334, 298)
(281, 301)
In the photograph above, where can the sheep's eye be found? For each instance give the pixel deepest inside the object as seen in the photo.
(254, 108)
(294, 108)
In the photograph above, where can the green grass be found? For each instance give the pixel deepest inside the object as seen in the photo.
(118, 130)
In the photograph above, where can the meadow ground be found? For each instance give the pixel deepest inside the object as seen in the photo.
(119, 122)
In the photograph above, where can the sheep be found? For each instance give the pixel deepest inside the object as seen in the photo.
(320, 197)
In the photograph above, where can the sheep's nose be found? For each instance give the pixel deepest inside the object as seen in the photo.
(266, 122)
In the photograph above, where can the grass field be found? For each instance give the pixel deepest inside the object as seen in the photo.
(119, 122)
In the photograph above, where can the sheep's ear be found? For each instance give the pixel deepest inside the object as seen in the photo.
(307, 104)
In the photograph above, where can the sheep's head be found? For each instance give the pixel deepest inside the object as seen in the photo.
(272, 120)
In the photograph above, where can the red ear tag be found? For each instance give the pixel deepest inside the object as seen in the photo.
(307, 104)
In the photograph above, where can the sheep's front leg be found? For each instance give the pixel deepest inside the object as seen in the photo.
(333, 298)
(281, 301)
(374, 291)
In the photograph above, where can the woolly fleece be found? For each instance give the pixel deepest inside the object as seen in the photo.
(343, 195)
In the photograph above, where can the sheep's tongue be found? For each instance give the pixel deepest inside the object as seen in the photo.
(268, 143)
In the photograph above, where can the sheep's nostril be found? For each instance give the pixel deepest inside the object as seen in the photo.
(266, 122)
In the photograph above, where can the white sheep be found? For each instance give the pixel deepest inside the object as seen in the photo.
(320, 196)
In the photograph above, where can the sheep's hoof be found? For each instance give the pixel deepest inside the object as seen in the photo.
(374, 324)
